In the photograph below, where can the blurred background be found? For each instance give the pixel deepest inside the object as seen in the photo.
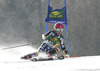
(22, 22)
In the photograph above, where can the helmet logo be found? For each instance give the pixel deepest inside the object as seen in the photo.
(58, 27)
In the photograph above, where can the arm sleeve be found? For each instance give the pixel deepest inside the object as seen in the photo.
(49, 33)
(62, 45)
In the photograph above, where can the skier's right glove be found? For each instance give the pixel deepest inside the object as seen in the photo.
(43, 37)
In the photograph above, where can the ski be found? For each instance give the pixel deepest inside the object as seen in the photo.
(34, 59)
(47, 59)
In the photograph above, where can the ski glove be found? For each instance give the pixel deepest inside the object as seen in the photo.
(43, 37)
(66, 52)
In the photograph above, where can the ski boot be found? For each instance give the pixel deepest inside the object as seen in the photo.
(29, 56)
(61, 57)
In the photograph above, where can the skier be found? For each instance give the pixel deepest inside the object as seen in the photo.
(50, 44)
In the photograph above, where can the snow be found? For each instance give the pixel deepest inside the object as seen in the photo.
(10, 61)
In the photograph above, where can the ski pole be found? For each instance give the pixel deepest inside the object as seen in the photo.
(15, 46)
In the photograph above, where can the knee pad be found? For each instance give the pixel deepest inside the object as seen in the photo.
(54, 51)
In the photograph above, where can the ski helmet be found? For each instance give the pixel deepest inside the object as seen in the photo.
(58, 27)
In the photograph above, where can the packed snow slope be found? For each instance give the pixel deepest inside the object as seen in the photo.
(10, 61)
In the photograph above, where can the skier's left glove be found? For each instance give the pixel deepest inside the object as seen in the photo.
(66, 52)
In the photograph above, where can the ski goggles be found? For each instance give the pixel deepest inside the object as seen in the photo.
(60, 30)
